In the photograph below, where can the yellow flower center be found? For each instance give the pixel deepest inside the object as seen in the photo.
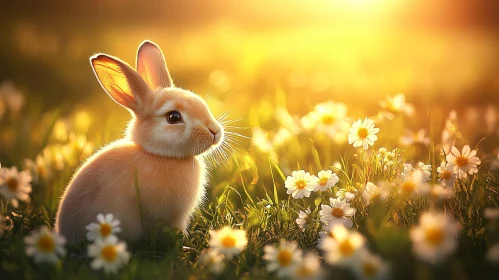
(434, 236)
(300, 184)
(46, 244)
(109, 253)
(369, 269)
(323, 181)
(408, 187)
(346, 248)
(362, 132)
(285, 257)
(338, 212)
(229, 241)
(446, 175)
(12, 184)
(461, 161)
(328, 119)
(105, 229)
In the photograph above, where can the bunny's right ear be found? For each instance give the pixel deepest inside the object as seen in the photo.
(151, 66)
(122, 83)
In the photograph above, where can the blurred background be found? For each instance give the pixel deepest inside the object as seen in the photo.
(441, 54)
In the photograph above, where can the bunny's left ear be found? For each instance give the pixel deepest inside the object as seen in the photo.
(152, 67)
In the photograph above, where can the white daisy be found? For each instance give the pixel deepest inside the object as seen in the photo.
(414, 184)
(348, 193)
(327, 179)
(342, 249)
(446, 175)
(15, 185)
(328, 118)
(337, 211)
(370, 266)
(463, 163)
(45, 245)
(426, 168)
(108, 254)
(363, 133)
(407, 168)
(303, 219)
(373, 193)
(300, 184)
(284, 259)
(213, 259)
(309, 268)
(493, 253)
(435, 237)
(228, 241)
(106, 226)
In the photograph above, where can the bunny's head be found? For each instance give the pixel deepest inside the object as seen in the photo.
(167, 120)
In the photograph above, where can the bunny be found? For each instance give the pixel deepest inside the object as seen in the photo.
(163, 149)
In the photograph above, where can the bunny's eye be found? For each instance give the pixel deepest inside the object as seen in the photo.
(174, 117)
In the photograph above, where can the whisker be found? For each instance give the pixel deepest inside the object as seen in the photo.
(208, 96)
(225, 122)
(232, 133)
(233, 141)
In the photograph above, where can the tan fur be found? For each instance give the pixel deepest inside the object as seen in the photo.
(166, 158)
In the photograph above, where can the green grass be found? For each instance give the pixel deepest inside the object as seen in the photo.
(248, 192)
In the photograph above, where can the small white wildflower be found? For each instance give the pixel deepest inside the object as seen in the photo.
(300, 184)
(15, 185)
(45, 245)
(338, 211)
(347, 194)
(108, 254)
(229, 242)
(463, 163)
(106, 226)
(283, 259)
(447, 175)
(327, 179)
(414, 183)
(435, 237)
(426, 168)
(363, 133)
(303, 219)
(342, 249)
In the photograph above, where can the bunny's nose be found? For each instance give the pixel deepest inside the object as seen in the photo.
(217, 134)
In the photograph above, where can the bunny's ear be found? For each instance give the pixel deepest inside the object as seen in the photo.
(120, 81)
(152, 67)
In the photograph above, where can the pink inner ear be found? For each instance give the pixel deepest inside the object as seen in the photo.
(118, 79)
(152, 67)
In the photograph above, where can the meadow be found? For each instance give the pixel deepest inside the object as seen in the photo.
(344, 158)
